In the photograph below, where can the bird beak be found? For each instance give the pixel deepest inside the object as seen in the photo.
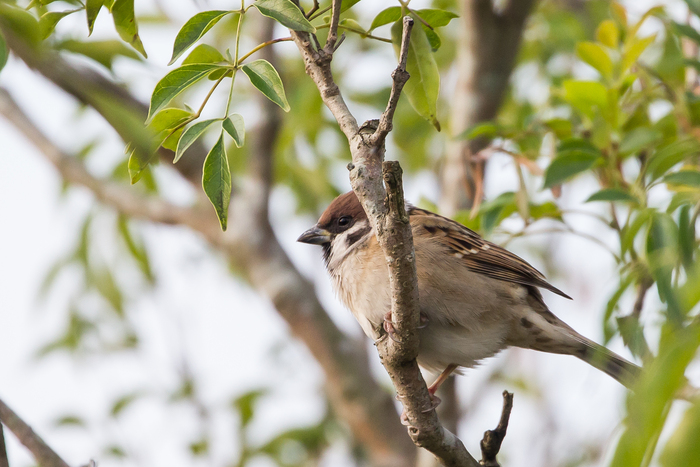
(315, 236)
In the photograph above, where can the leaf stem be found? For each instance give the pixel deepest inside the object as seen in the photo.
(319, 13)
(230, 93)
(357, 31)
(262, 46)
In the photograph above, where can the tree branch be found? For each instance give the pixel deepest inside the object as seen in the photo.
(387, 213)
(489, 42)
(4, 462)
(44, 455)
(491, 443)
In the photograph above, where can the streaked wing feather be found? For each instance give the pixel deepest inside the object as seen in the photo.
(480, 255)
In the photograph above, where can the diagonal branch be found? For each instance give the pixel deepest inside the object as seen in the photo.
(387, 213)
(44, 455)
(4, 462)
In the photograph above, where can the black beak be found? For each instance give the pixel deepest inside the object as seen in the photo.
(315, 236)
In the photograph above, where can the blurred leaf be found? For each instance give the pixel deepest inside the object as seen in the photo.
(638, 139)
(103, 52)
(235, 127)
(686, 238)
(135, 247)
(608, 34)
(264, 77)
(683, 447)
(190, 135)
(194, 29)
(92, 9)
(611, 306)
(216, 180)
(612, 194)
(435, 17)
(488, 130)
(423, 87)
(4, 52)
(347, 4)
(687, 31)
(245, 403)
(49, 20)
(574, 157)
(690, 178)
(665, 157)
(562, 128)
(200, 447)
(629, 233)
(104, 282)
(633, 336)
(386, 16)
(204, 53)
(286, 13)
(586, 96)
(70, 420)
(115, 451)
(494, 211)
(595, 56)
(633, 49)
(125, 24)
(22, 23)
(177, 81)
(123, 402)
(662, 254)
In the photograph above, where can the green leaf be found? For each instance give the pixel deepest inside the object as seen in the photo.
(347, 4)
(216, 180)
(423, 86)
(286, 13)
(694, 6)
(612, 194)
(386, 16)
(235, 127)
(49, 20)
(638, 139)
(586, 96)
(683, 445)
(667, 156)
(103, 52)
(177, 81)
(92, 8)
(264, 77)
(689, 178)
(204, 53)
(245, 404)
(634, 49)
(70, 420)
(162, 124)
(190, 135)
(488, 130)
(123, 402)
(567, 165)
(21, 22)
(4, 51)
(687, 31)
(125, 24)
(608, 34)
(436, 18)
(194, 29)
(595, 56)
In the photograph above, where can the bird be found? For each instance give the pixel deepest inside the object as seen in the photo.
(475, 297)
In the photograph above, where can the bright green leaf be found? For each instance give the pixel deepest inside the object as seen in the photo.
(49, 20)
(612, 194)
(125, 24)
(347, 4)
(634, 49)
(21, 22)
(264, 77)
(423, 86)
(683, 445)
(595, 56)
(638, 139)
(608, 34)
(286, 13)
(586, 96)
(204, 53)
(190, 135)
(436, 18)
(667, 156)
(567, 165)
(235, 127)
(177, 81)
(92, 8)
(194, 29)
(386, 16)
(216, 180)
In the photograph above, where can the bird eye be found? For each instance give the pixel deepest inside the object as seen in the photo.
(343, 221)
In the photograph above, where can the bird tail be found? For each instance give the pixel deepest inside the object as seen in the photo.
(626, 373)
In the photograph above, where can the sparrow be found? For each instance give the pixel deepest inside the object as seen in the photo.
(475, 297)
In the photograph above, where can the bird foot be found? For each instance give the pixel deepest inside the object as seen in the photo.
(434, 403)
(389, 325)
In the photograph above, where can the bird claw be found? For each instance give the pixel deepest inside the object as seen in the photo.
(423, 321)
(434, 402)
(389, 328)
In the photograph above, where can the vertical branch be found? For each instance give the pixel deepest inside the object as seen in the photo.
(4, 462)
(333, 29)
(491, 443)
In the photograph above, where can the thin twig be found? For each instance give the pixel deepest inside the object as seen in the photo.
(400, 76)
(263, 45)
(312, 10)
(333, 30)
(491, 443)
(44, 455)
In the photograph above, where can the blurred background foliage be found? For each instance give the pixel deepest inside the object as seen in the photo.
(598, 95)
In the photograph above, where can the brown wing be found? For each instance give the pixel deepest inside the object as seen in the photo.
(480, 255)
